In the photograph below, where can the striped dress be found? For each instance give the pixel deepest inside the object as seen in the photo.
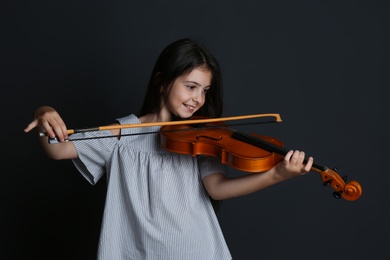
(156, 206)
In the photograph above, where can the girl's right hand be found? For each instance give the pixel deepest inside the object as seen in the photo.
(47, 119)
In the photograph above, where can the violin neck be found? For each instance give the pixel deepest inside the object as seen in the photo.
(258, 142)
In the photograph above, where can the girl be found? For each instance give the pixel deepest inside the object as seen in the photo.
(157, 203)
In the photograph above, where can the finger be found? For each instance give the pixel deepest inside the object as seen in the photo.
(48, 128)
(308, 164)
(60, 129)
(30, 126)
(296, 158)
(288, 156)
(301, 157)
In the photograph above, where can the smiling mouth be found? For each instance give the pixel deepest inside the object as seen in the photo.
(189, 107)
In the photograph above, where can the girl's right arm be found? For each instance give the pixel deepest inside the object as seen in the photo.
(220, 187)
(47, 119)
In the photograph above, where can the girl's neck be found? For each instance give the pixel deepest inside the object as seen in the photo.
(155, 117)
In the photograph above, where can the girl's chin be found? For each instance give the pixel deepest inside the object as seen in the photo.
(180, 117)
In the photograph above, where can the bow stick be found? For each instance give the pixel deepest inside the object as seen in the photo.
(182, 122)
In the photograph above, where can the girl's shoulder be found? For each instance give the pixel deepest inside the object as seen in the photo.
(132, 119)
(129, 119)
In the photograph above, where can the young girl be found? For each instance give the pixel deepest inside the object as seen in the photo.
(158, 202)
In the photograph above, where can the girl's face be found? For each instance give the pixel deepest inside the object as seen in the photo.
(187, 94)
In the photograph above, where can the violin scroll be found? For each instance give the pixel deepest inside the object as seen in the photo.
(350, 191)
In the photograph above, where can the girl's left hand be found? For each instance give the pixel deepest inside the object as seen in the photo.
(293, 165)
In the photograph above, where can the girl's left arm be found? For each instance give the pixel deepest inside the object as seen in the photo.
(220, 187)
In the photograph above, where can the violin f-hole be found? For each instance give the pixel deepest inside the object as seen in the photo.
(198, 137)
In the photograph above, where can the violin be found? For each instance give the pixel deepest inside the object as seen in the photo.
(245, 152)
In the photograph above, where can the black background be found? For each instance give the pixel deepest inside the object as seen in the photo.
(322, 65)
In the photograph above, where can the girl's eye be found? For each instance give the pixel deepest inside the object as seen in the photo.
(206, 90)
(191, 86)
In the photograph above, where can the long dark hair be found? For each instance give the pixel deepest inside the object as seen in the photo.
(177, 59)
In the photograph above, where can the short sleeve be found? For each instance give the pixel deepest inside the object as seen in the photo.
(94, 153)
(208, 165)
(95, 150)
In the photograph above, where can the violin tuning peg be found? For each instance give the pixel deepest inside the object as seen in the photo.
(345, 178)
(337, 194)
(334, 169)
(327, 183)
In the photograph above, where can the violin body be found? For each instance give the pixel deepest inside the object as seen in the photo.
(217, 142)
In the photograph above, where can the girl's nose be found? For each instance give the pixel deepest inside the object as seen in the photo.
(197, 97)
